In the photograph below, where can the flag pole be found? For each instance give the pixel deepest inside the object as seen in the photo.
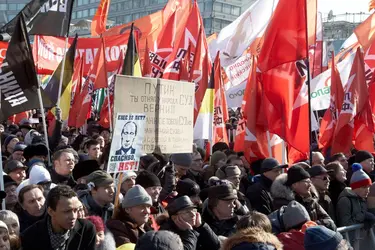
(109, 112)
(2, 171)
(283, 152)
(269, 143)
(62, 71)
(44, 123)
(308, 79)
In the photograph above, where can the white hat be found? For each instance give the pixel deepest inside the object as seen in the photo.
(127, 175)
(23, 184)
(39, 174)
(3, 225)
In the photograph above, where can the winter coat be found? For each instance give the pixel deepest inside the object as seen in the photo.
(195, 176)
(252, 238)
(82, 236)
(108, 243)
(124, 228)
(326, 203)
(201, 238)
(283, 194)
(259, 195)
(351, 209)
(335, 188)
(293, 240)
(220, 227)
(93, 208)
(26, 220)
(65, 180)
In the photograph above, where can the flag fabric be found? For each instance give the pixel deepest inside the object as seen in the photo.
(52, 87)
(355, 98)
(185, 64)
(371, 5)
(328, 124)
(99, 22)
(220, 105)
(132, 65)
(316, 50)
(282, 61)
(100, 69)
(365, 32)
(17, 118)
(85, 100)
(18, 80)
(146, 63)
(76, 91)
(44, 17)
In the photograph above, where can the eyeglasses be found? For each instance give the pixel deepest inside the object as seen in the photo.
(192, 211)
(325, 178)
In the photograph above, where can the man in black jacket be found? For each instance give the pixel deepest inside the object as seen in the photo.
(63, 165)
(60, 229)
(259, 194)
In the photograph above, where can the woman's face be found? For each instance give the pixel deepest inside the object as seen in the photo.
(99, 237)
(341, 174)
(4, 239)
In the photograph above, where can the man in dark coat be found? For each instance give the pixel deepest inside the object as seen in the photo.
(60, 229)
(63, 165)
(259, 194)
(186, 222)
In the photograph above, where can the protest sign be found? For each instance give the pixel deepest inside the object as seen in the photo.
(168, 106)
(126, 146)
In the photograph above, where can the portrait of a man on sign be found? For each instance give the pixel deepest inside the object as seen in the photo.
(128, 135)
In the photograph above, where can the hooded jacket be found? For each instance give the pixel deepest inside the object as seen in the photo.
(259, 195)
(283, 194)
(252, 239)
(351, 209)
(93, 208)
(335, 189)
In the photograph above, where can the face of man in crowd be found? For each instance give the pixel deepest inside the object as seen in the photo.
(362, 191)
(128, 135)
(140, 214)
(220, 163)
(66, 213)
(321, 182)
(368, 165)
(180, 171)
(94, 151)
(104, 195)
(225, 209)
(197, 162)
(18, 175)
(341, 174)
(343, 161)
(302, 188)
(273, 174)
(127, 184)
(154, 192)
(19, 135)
(33, 202)
(4, 239)
(12, 144)
(18, 155)
(105, 135)
(65, 164)
(317, 159)
(235, 180)
(188, 215)
(11, 198)
(13, 227)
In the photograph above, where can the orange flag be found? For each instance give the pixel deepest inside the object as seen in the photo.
(99, 22)
(371, 5)
(220, 105)
(355, 99)
(365, 32)
(76, 91)
(328, 124)
(99, 68)
(284, 72)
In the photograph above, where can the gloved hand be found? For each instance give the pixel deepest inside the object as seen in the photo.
(369, 220)
(58, 113)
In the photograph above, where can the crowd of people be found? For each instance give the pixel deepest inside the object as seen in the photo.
(61, 196)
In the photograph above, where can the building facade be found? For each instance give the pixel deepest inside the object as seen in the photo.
(9, 9)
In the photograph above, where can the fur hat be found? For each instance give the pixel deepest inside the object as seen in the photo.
(359, 177)
(35, 150)
(84, 168)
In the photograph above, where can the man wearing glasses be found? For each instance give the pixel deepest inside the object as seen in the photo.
(320, 180)
(128, 135)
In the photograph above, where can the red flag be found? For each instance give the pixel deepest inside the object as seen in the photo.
(99, 22)
(284, 73)
(19, 117)
(85, 100)
(185, 65)
(220, 105)
(355, 99)
(146, 63)
(99, 68)
(328, 124)
(76, 92)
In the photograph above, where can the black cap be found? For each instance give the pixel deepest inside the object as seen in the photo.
(35, 150)
(84, 168)
(270, 164)
(296, 174)
(362, 155)
(147, 179)
(318, 170)
(19, 147)
(222, 192)
(187, 187)
(179, 204)
(13, 165)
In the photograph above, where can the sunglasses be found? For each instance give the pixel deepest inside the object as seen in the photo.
(325, 178)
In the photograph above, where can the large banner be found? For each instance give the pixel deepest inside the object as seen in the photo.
(126, 146)
(48, 51)
(3, 50)
(168, 106)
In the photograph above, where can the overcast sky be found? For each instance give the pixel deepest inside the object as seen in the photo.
(343, 6)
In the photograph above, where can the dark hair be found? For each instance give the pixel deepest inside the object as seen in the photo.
(76, 145)
(95, 137)
(56, 193)
(232, 158)
(255, 219)
(91, 142)
(335, 166)
(129, 122)
(336, 157)
(26, 189)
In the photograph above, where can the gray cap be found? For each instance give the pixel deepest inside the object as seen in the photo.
(13, 165)
(179, 204)
(270, 164)
(294, 215)
(136, 196)
(159, 240)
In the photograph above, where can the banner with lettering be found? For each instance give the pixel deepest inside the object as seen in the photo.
(3, 50)
(126, 147)
(168, 106)
(48, 51)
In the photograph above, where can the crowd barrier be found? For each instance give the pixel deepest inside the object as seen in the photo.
(356, 235)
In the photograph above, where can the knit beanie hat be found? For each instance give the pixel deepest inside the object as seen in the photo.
(321, 238)
(39, 174)
(216, 157)
(128, 175)
(97, 221)
(219, 146)
(99, 178)
(8, 139)
(147, 179)
(227, 172)
(362, 155)
(296, 174)
(159, 240)
(187, 187)
(294, 214)
(136, 196)
(184, 160)
(359, 177)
